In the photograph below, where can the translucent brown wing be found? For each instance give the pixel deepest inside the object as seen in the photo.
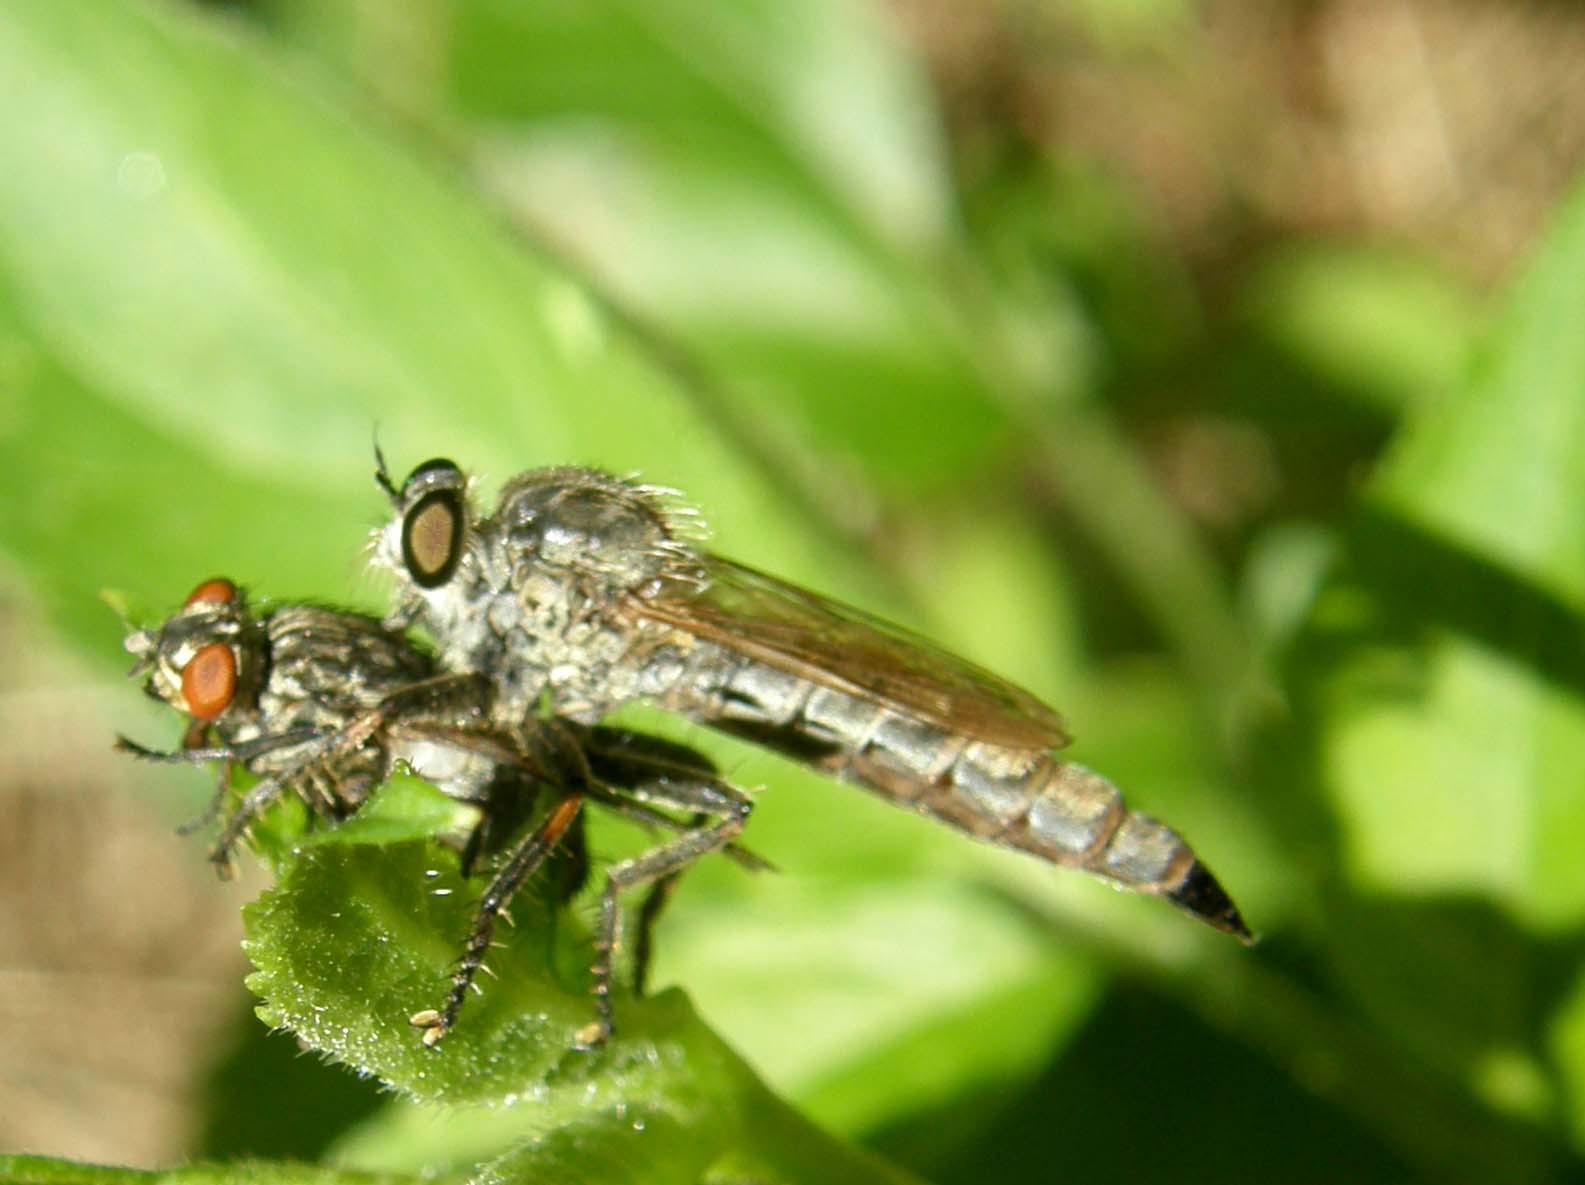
(836, 646)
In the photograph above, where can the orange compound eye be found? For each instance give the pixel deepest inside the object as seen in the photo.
(209, 681)
(218, 591)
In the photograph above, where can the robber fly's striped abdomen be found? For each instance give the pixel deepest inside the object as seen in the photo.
(1023, 798)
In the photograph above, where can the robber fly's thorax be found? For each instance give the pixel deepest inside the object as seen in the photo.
(534, 596)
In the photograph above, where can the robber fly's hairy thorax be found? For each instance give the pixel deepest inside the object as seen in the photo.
(527, 595)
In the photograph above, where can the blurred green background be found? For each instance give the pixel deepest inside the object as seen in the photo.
(1214, 370)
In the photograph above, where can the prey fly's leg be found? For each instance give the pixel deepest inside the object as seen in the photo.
(195, 738)
(301, 772)
(260, 796)
(524, 861)
(216, 801)
(256, 799)
(309, 775)
(242, 753)
(730, 808)
(319, 749)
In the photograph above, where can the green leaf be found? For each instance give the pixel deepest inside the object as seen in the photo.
(1498, 468)
(1449, 699)
(1454, 742)
(1450, 767)
(880, 1034)
(406, 808)
(1380, 328)
(354, 939)
(585, 1150)
(43, 1170)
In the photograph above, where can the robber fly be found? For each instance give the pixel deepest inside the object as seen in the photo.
(584, 591)
(325, 704)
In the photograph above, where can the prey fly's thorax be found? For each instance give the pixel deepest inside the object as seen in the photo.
(304, 673)
(326, 665)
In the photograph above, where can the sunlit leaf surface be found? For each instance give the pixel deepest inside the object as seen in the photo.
(1456, 737)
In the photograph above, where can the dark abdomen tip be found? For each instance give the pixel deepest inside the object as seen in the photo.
(1200, 893)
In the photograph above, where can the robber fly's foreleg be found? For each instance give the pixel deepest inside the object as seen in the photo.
(523, 863)
(714, 799)
(553, 752)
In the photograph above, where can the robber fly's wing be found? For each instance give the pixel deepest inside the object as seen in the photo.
(791, 629)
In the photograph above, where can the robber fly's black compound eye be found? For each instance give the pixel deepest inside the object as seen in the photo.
(433, 518)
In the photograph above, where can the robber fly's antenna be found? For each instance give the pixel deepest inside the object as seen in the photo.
(382, 474)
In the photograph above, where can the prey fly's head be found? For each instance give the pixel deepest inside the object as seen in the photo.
(205, 657)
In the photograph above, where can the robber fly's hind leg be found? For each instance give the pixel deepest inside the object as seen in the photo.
(730, 808)
(524, 861)
(655, 902)
(646, 768)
